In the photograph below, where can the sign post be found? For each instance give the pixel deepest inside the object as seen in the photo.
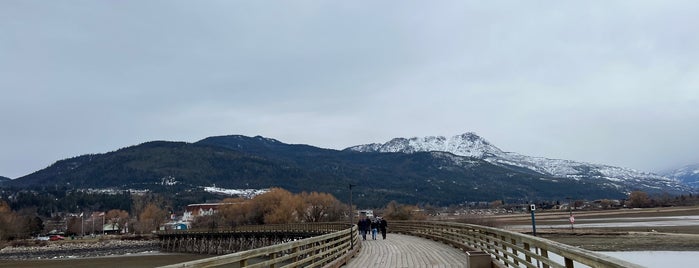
(570, 209)
(572, 221)
(532, 208)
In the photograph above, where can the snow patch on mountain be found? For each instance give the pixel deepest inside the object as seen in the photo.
(688, 174)
(467, 144)
(471, 145)
(247, 193)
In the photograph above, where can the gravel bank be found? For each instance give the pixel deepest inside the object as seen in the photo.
(79, 250)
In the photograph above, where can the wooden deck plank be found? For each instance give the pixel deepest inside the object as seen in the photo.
(407, 251)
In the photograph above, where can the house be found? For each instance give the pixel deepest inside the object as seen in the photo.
(175, 225)
(110, 228)
(197, 210)
(366, 212)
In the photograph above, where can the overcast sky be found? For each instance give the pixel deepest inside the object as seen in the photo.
(612, 82)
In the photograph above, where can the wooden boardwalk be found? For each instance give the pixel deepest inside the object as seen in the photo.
(407, 251)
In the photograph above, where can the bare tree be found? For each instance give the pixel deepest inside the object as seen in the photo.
(397, 211)
(151, 218)
(639, 199)
(117, 218)
(320, 207)
(236, 211)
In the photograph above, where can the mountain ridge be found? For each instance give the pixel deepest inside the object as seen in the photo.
(241, 162)
(688, 174)
(471, 145)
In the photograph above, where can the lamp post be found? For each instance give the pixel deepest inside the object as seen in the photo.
(351, 212)
(350, 204)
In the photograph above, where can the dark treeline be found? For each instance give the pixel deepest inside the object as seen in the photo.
(46, 202)
(60, 200)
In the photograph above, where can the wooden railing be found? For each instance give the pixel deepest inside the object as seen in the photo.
(508, 249)
(308, 227)
(332, 249)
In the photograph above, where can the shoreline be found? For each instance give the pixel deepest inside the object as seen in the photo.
(77, 250)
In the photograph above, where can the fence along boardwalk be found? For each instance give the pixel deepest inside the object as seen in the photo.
(407, 251)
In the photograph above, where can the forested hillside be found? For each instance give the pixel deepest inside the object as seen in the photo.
(239, 162)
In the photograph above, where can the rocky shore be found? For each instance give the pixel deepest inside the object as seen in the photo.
(79, 249)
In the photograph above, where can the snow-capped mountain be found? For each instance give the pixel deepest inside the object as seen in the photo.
(471, 145)
(689, 175)
(467, 144)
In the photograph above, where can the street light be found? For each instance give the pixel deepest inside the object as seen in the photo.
(350, 204)
(351, 212)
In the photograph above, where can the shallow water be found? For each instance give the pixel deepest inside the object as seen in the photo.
(622, 222)
(122, 261)
(658, 259)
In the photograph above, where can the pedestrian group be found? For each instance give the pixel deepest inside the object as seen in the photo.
(374, 225)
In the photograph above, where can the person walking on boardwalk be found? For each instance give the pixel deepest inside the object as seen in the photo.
(363, 225)
(374, 228)
(382, 227)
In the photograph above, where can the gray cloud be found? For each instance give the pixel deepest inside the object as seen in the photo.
(601, 81)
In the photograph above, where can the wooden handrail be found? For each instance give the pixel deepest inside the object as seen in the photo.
(328, 250)
(337, 245)
(321, 227)
(507, 248)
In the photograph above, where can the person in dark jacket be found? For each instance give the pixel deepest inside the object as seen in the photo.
(382, 227)
(363, 225)
(374, 228)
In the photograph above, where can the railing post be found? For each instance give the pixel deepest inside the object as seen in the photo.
(478, 259)
(569, 263)
(272, 256)
(514, 251)
(528, 248)
(495, 248)
(504, 248)
(545, 254)
(351, 232)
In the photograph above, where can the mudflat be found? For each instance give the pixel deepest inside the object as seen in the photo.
(135, 260)
(626, 230)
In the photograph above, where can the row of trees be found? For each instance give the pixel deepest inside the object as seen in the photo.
(640, 199)
(280, 206)
(276, 206)
(150, 211)
(17, 224)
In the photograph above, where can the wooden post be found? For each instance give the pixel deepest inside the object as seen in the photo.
(478, 259)
(526, 247)
(272, 256)
(514, 251)
(545, 254)
(569, 263)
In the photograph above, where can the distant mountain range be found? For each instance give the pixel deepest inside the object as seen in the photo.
(434, 170)
(688, 175)
(4, 179)
(472, 145)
